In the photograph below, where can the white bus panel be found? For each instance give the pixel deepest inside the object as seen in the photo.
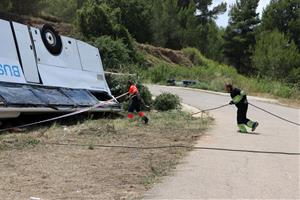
(10, 69)
(68, 58)
(90, 57)
(70, 78)
(26, 53)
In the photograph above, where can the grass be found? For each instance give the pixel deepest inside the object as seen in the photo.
(113, 173)
(212, 76)
(18, 142)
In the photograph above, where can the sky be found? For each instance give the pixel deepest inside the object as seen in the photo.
(223, 19)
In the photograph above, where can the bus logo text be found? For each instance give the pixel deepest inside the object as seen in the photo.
(9, 70)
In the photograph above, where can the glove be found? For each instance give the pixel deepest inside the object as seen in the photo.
(231, 103)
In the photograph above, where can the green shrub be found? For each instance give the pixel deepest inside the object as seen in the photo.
(163, 72)
(120, 31)
(114, 53)
(117, 46)
(145, 94)
(159, 73)
(195, 56)
(166, 101)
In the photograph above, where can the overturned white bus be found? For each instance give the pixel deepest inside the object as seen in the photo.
(41, 71)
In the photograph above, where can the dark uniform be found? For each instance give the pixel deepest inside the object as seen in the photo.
(239, 98)
(135, 104)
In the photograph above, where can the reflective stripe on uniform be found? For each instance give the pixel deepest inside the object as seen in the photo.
(250, 124)
(243, 93)
(238, 98)
(242, 128)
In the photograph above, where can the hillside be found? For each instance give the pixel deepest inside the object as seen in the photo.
(61, 27)
(157, 55)
(187, 63)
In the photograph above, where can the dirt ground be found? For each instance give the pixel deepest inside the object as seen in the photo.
(68, 162)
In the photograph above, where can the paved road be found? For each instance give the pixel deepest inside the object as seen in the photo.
(210, 174)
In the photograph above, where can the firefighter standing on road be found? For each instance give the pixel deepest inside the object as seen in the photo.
(239, 98)
(135, 104)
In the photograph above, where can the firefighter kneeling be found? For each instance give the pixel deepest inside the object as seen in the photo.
(135, 103)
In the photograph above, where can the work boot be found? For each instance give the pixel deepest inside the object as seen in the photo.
(239, 131)
(145, 119)
(242, 128)
(250, 124)
(255, 125)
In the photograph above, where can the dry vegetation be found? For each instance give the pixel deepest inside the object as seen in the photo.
(66, 162)
(62, 27)
(164, 55)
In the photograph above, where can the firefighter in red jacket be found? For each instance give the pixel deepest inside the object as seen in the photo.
(239, 99)
(135, 104)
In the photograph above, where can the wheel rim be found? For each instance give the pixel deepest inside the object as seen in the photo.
(50, 37)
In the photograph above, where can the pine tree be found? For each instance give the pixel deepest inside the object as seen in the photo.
(276, 58)
(165, 24)
(135, 15)
(283, 15)
(205, 15)
(206, 18)
(240, 35)
(189, 26)
(183, 3)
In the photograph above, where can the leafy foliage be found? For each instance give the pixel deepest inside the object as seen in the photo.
(95, 20)
(166, 101)
(281, 19)
(29, 7)
(206, 15)
(145, 94)
(195, 56)
(176, 25)
(135, 15)
(215, 41)
(67, 9)
(114, 53)
(275, 57)
(165, 24)
(284, 16)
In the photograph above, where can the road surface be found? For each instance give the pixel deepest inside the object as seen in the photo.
(217, 174)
